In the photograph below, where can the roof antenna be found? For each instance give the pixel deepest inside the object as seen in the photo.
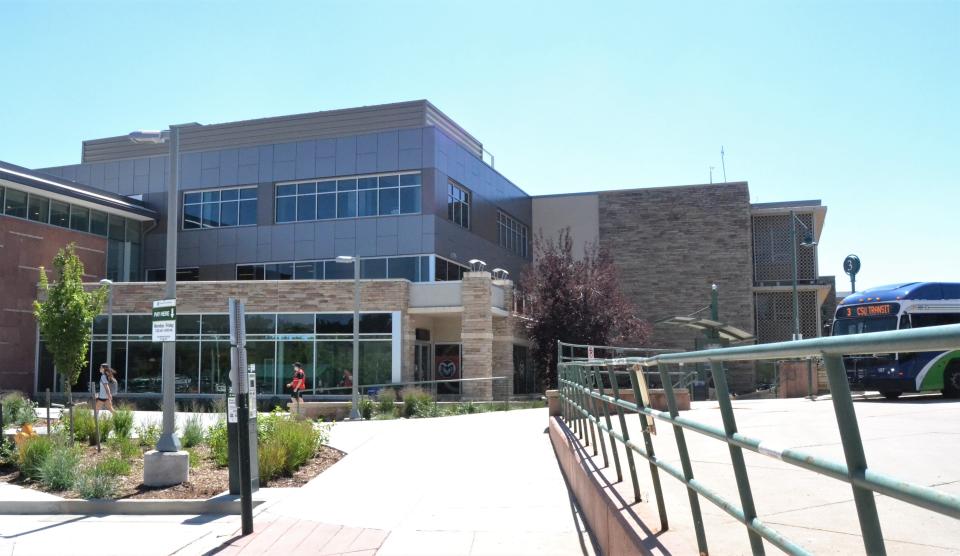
(724, 163)
(711, 174)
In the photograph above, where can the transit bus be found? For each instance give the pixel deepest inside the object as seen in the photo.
(896, 307)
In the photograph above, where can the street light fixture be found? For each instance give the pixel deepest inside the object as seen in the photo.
(109, 285)
(354, 390)
(808, 241)
(168, 441)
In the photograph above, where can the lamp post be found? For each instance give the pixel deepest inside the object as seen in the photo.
(355, 391)
(808, 241)
(168, 439)
(109, 285)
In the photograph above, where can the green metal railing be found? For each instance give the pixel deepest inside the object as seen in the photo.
(589, 412)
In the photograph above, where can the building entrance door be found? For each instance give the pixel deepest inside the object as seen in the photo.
(447, 366)
(423, 365)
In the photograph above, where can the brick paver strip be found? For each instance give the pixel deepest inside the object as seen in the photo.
(294, 537)
(265, 539)
(319, 537)
(341, 542)
(369, 539)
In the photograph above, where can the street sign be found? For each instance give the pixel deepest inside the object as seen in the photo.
(232, 409)
(165, 320)
(851, 265)
(252, 393)
(589, 352)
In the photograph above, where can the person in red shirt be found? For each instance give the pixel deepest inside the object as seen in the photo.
(299, 383)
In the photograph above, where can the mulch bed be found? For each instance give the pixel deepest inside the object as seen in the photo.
(206, 479)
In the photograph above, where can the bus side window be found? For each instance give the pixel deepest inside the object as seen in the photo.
(905, 321)
(922, 320)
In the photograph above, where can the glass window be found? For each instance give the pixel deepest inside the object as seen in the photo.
(39, 210)
(389, 201)
(289, 353)
(284, 190)
(230, 195)
(409, 179)
(337, 271)
(458, 204)
(248, 212)
(102, 322)
(143, 366)
(367, 202)
(332, 359)
(304, 271)
(192, 198)
(211, 215)
(211, 196)
(286, 209)
(373, 268)
(376, 323)
(187, 365)
(229, 213)
(15, 203)
(346, 204)
(79, 218)
(409, 200)
(367, 183)
(282, 271)
(404, 267)
(248, 193)
(250, 272)
(215, 324)
(188, 324)
(141, 324)
(98, 223)
(214, 369)
(327, 186)
(334, 324)
(60, 214)
(306, 207)
(261, 324)
(295, 324)
(263, 356)
(511, 234)
(346, 185)
(376, 363)
(326, 206)
(118, 230)
(306, 188)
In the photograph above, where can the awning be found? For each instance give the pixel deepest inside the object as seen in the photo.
(725, 331)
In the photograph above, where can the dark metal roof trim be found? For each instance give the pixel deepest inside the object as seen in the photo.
(53, 184)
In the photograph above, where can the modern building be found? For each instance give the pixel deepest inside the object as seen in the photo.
(266, 206)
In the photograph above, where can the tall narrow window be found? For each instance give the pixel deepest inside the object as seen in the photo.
(220, 208)
(511, 234)
(458, 205)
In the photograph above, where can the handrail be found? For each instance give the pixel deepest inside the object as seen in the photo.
(587, 410)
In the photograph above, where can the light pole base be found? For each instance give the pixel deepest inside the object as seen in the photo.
(162, 469)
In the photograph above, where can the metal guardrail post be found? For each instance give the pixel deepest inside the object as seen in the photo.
(606, 418)
(648, 445)
(615, 386)
(854, 455)
(592, 410)
(684, 461)
(588, 423)
(736, 453)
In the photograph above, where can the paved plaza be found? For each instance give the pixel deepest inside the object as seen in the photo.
(489, 484)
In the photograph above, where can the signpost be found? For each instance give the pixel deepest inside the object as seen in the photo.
(851, 265)
(165, 320)
(241, 416)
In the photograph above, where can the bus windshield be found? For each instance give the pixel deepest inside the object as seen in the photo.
(843, 327)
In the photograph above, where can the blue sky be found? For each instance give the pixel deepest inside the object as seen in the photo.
(853, 103)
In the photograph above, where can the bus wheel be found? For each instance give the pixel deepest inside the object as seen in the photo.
(951, 382)
(891, 395)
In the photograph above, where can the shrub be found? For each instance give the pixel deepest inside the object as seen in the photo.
(149, 433)
(385, 400)
(270, 459)
(218, 405)
(217, 440)
(113, 466)
(59, 469)
(366, 408)
(32, 452)
(95, 484)
(83, 425)
(416, 402)
(192, 431)
(106, 423)
(18, 409)
(194, 458)
(125, 447)
(8, 452)
(123, 421)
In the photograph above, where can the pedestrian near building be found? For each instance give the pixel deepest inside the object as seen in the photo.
(105, 394)
(299, 383)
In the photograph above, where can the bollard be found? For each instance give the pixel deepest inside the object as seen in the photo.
(47, 397)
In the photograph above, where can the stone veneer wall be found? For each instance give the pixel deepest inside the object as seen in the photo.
(476, 325)
(670, 244)
(504, 338)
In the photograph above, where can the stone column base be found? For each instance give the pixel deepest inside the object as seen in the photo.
(162, 469)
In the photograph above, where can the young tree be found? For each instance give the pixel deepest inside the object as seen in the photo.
(574, 300)
(66, 313)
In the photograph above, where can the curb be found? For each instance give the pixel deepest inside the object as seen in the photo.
(223, 505)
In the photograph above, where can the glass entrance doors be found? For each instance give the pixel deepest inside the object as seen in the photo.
(423, 365)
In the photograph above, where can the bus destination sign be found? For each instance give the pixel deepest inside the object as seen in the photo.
(871, 310)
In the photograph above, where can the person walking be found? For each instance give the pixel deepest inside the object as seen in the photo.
(299, 383)
(105, 394)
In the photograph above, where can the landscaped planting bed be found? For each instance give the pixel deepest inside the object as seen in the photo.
(291, 452)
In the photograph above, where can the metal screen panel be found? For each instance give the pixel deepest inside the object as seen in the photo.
(772, 253)
(775, 315)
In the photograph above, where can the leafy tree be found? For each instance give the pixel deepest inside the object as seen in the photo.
(66, 314)
(574, 300)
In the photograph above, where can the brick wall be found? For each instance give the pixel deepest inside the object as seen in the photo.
(477, 335)
(505, 331)
(24, 247)
(671, 243)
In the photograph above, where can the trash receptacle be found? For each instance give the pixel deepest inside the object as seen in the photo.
(699, 390)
